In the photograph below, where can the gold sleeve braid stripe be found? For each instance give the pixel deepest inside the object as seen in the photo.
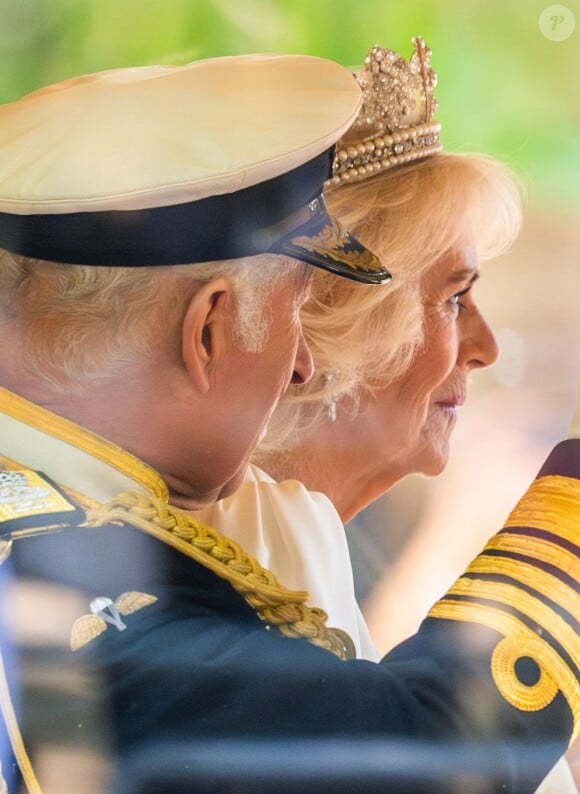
(551, 505)
(275, 605)
(548, 585)
(529, 606)
(536, 548)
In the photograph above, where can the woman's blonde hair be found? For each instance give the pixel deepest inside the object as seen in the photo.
(409, 216)
(82, 323)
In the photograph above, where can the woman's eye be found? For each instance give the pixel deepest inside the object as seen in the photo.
(455, 300)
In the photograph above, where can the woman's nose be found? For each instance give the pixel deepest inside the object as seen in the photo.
(480, 348)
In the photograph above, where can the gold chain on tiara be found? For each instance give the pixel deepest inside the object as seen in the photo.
(395, 123)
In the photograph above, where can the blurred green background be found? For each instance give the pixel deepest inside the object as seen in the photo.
(504, 87)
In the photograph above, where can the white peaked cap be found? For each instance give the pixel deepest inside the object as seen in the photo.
(221, 158)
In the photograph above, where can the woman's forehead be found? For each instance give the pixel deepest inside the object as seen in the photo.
(458, 265)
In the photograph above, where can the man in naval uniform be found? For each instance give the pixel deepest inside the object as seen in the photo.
(155, 230)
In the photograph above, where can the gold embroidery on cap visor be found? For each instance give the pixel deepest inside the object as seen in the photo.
(334, 249)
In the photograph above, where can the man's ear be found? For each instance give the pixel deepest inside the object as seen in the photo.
(206, 330)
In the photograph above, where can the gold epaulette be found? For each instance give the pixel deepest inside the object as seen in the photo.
(31, 503)
(525, 586)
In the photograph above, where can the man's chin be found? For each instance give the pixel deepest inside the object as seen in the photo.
(208, 497)
(232, 485)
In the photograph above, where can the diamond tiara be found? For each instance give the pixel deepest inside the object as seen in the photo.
(395, 123)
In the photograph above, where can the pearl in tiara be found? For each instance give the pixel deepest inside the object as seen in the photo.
(395, 124)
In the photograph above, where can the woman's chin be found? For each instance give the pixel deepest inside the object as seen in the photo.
(433, 461)
(432, 453)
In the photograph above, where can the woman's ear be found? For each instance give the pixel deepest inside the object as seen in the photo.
(206, 330)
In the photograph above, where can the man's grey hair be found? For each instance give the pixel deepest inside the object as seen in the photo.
(81, 322)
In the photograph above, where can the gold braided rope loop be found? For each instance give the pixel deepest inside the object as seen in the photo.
(527, 697)
(530, 644)
(276, 605)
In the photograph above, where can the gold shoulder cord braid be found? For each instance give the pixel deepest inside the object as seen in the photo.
(275, 605)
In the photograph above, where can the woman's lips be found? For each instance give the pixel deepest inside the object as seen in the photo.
(451, 402)
(449, 405)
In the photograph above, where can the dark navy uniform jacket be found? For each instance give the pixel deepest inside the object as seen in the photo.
(177, 654)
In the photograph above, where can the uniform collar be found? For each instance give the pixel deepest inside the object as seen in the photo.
(71, 455)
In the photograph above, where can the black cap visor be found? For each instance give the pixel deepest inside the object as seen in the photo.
(285, 215)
